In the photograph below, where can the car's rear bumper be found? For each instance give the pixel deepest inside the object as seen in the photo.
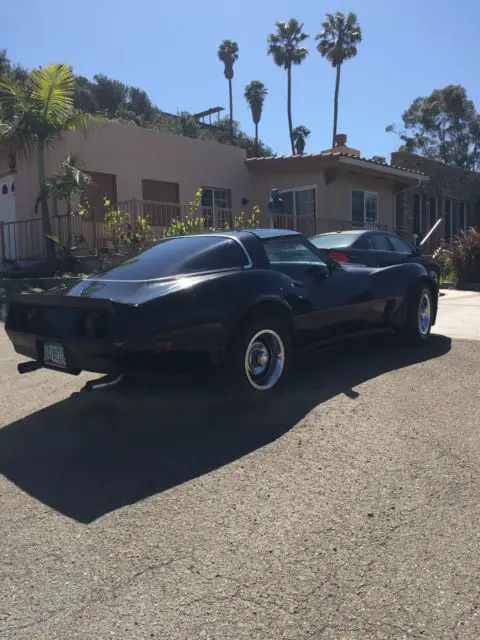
(172, 353)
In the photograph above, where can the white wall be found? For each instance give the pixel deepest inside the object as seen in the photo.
(7, 213)
(7, 201)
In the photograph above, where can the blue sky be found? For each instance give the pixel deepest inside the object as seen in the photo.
(409, 48)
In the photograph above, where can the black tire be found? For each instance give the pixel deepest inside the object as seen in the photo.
(264, 330)
(416, 329)
(435, 277)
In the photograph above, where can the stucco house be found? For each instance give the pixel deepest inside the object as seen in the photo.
(156, 173)
(332, 190)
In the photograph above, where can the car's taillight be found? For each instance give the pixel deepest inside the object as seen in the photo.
(338, 256)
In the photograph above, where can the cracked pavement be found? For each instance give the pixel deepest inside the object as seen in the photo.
(346, 509)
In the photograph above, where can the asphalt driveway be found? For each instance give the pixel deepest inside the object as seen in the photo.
(345, 509)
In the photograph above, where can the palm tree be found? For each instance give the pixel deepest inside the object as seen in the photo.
(228, 54)
(33, 116)
(284, 46)
(255, 94)
(300, 135)
(338, 42)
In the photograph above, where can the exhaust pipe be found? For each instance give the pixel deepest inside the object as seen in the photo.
(28, 367)
(103, 383)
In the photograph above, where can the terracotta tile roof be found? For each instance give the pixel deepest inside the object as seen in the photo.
(336, 154)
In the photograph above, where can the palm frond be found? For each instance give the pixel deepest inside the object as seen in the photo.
(53, 89)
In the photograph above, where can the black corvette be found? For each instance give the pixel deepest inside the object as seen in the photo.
(243, 301)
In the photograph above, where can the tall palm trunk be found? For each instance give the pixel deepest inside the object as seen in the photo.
(46, 227)
(68, 246)
(230, 96)
(289, 107)
(256, 139)
(335, 104)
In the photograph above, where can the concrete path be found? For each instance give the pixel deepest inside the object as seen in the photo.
(459, 315)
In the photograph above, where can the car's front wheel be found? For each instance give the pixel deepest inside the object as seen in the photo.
(418, 320)
(434, 276)
(259, 356)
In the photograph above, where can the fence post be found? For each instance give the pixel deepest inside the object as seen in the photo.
(94, 229)
(2, 240)
(134, 214)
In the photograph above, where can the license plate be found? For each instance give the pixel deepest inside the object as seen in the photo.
(54, 354)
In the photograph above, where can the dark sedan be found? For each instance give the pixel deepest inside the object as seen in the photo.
(242, 301)
(373, 249)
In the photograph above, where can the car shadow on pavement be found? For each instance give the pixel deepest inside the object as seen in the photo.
(93, 453)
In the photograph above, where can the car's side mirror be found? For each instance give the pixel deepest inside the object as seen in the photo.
(416, 252)
(318, 271)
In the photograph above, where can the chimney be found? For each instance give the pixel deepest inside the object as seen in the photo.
(341, 146)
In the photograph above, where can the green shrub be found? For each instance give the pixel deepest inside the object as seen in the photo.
(194, 222)
(465, 255)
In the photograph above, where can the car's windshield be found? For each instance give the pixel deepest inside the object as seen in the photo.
(176, 256)
(292, 249)
(334, 240)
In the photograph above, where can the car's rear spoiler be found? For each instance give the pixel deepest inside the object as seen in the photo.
(46, 300)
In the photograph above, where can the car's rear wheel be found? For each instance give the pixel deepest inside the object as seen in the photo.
(418, 320)
(259, 356)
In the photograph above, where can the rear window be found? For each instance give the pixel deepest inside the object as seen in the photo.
(335, 240)
(176, 256)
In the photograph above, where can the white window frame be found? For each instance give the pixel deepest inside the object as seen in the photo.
(294, 190)
(364, 191)
(454, 202)
(213, 189)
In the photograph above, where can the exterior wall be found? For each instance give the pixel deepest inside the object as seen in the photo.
(338, 196)
(7, 200)
(445, 182)
(263, 183)
(134, 154)
(333, 199)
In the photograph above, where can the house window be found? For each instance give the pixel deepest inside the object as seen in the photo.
(364, 207)
(214, 197)
(419, 213)
(433, 211)
(300, 202)
(448, 218)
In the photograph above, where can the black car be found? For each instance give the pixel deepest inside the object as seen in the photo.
(373, 249)
(243, 301)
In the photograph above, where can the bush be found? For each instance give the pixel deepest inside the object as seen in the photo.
(444, 261)
(464, 254)
(194, 222)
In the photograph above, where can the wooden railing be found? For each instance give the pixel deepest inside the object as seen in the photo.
(310, 225)
(23, 239)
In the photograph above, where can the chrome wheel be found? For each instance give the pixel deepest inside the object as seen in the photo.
(424, 313)
(264, 360)
(433, 275)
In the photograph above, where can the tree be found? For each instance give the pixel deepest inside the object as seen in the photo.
(300, 135)
(228, 54)
(108, 94)
(33, 115)
(5, 66)
(284, 47)
(443, 126)
(338, 42)
(70, 180)
(381, 159)
(255, 94)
